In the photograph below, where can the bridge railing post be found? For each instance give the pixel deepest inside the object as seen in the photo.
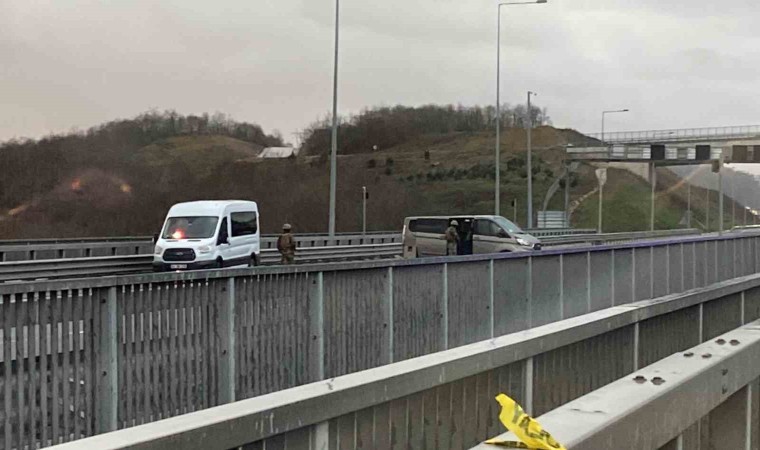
(388, 317)
(491, 291)
(445, 308)
(107, 394)
(316, 327)
(225, 327)
(730, 424)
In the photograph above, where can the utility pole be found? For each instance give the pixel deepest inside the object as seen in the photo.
(567, 195)
(653, 180)
(334, 142)
(497, 148)
(514, 205)
(733, 204)
(707, 214)
(530, 165)
(720, 199)
(365, 195)
(604, 113)
(601, 176)
(688, 204)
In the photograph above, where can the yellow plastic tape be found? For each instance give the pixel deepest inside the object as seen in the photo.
(526, 428)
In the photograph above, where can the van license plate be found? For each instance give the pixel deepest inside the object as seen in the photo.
(178, 266)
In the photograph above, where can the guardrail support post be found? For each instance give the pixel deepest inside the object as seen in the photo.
(322, 436)
(653, 181)
(701, 322)
(226, 332)
(445, 309)
(316, 327)
(529, 385)
(636, 346)
(730, 424)
(107, 396)
(491, 289)
(529, 291)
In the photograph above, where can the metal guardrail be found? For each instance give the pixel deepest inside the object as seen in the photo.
(122, 265)
(44, 249)
(679, 135)
(445, 400)
(711, 387)
(612, 238)
(132, 264)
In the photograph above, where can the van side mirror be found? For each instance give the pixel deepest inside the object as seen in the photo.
(502, 234)
(223, 239)
(155, 238)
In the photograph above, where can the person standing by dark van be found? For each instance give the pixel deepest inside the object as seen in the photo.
(286, 245)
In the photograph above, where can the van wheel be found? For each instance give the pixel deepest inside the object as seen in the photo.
(254, 262)
(219, 264)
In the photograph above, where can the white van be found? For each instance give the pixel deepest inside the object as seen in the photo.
(425, 236)
(209, 234)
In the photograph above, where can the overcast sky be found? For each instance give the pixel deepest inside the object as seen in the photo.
(673, 63)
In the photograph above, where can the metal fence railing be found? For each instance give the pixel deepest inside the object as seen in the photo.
(313, 251)
(92, 355)
(133, 264)
(45, 249)
(615, 238)
(445, 400)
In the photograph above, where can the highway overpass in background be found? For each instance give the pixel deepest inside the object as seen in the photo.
(717, 135)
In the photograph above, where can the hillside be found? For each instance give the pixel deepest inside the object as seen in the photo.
(100, 190)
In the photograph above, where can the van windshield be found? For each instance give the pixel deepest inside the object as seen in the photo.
(200, 227)
(510, 227)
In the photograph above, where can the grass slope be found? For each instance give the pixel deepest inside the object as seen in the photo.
(131, 195)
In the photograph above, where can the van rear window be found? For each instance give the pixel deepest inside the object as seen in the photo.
(244, 223)
(434, 226)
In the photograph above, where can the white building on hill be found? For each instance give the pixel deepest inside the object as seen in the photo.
(278, 152)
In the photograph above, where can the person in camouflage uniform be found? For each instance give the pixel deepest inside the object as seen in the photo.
(452, 238)
(286, 245)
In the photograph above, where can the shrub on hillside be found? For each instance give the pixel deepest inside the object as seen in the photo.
(386, 127)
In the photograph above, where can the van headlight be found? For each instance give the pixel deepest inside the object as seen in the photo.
(523, 242)
(204, 249)
(158, 250)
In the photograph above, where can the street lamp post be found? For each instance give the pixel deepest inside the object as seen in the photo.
(745, 215)
(497, 148)
(604, 113)
(334, 141)
(364, 209)
(530, 165)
